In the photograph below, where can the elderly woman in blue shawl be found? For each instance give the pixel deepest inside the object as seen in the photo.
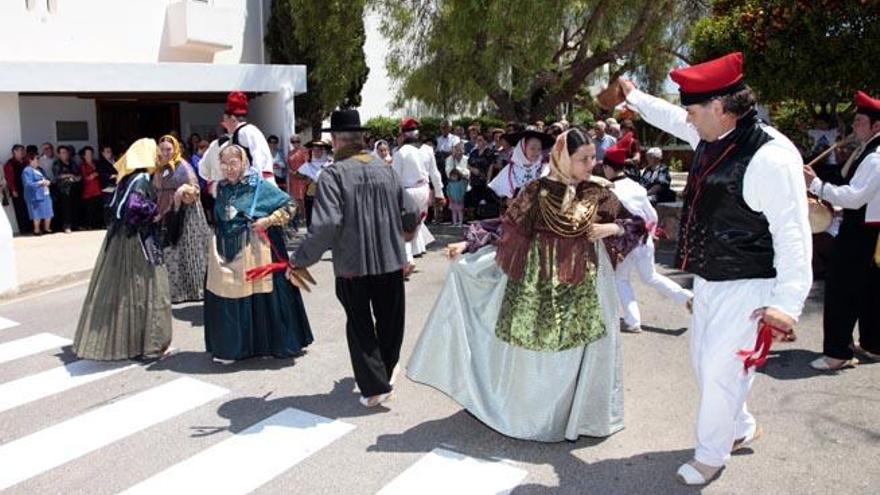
(248, 316)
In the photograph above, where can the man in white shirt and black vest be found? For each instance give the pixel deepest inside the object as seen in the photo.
(746, 238)
(247, 135)
(852, 287)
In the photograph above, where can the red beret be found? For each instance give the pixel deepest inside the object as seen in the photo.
(718, 77)
(615, 156)
(237, 103)
(867, 105)
(409, 124)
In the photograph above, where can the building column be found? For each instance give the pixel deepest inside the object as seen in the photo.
(10, 134)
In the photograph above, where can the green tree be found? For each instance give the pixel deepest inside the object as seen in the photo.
(818, 52)
(528, 57)
(328, 38)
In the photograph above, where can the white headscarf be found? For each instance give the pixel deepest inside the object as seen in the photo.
(388, 159)
(519, 172)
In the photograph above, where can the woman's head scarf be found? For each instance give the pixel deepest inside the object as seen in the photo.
(140, 155)
(176, 155)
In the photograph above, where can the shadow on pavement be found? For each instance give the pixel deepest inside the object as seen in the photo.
(192, 313)
(652, 472)
(665, 331)
(244, 412)
(200, 363)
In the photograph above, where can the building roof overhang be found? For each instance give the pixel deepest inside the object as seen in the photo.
(162, 77)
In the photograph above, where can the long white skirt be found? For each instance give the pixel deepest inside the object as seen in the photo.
(532, 395)
(423, 238)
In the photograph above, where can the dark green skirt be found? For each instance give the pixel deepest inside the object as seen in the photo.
(127, 310)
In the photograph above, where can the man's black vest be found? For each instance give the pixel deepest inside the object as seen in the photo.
(721, 238)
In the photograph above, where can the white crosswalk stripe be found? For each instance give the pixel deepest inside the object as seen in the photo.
(6, 323)
(56, 445)
(443, 472)
(56, 380)
(250, 458)
(34, 344)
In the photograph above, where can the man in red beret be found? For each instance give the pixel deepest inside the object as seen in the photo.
(852, 288)
(247, 135)
(745, 237)
(416, 166)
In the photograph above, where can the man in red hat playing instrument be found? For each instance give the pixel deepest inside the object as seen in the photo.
(744, 235)
(247, 135)
(852, 287)
(417, 168)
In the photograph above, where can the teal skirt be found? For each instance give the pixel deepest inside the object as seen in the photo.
(270, 324)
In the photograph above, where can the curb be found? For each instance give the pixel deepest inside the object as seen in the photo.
(43, 284)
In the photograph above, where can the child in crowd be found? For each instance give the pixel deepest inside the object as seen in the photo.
(455, 191)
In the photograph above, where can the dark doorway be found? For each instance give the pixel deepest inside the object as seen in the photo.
(120, 123)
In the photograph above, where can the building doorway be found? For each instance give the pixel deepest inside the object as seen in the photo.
(121, 123)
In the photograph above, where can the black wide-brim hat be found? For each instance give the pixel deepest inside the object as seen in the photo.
(345, 121)
(514, 138)
(319, 143)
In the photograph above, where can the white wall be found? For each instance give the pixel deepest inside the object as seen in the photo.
(118, 31)
(10, 134)
(39, 113)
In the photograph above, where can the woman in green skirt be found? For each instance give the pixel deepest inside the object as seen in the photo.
(127, 310)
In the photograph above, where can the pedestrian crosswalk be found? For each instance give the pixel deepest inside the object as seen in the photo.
(56, 380)
(5, 323)
(241, 463)
(443, 471)
(27, 346)
(250, 458)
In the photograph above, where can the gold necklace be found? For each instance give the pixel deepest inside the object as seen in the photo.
(573, 222)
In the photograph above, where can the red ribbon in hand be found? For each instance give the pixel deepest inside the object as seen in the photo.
(262, 271)
(757, 357)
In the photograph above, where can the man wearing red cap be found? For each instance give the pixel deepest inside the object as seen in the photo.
(634, 198)
(744, 235)
(417, 168)
(852, 288)
(247, 135)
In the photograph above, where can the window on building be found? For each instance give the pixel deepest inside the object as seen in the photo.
(71, 130)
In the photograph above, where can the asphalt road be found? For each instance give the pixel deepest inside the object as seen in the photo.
(822, 431)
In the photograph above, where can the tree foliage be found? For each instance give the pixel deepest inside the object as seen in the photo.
(328, 38)
(528, 57)
(815, 51)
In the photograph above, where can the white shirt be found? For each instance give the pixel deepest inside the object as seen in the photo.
(461, 166)
(252, 138)
(634, 198)
(863, 189)
(773, 185)
(416, 166)
(313, 169)
(445, 143)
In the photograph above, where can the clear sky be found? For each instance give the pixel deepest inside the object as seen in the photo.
(378, 91)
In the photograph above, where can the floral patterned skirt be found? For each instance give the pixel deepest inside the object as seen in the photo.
(544, 314)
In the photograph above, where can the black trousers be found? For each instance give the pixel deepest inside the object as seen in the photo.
(375, 309)
(21, 215)
(852, 292)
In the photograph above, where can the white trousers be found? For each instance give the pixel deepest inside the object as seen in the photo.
(641, 259)
(721, 325)
(421, 195)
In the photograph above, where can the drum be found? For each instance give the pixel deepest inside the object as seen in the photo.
(821, 214)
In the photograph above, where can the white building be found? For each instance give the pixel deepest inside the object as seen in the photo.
(96, 72)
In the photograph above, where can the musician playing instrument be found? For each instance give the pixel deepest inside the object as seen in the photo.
(852, 287)
(745, 237)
